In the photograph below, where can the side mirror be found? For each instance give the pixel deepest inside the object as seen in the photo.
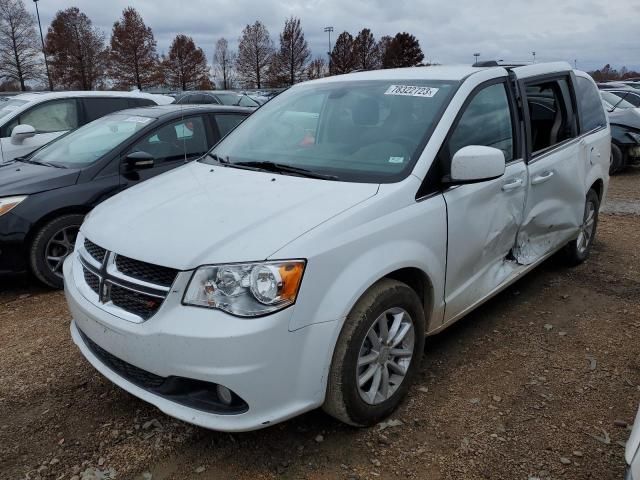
(139, 160)
(476, 163)
(21, 132)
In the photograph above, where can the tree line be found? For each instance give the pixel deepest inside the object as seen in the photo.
(81, 57)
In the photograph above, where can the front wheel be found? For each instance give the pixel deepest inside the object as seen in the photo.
(617, 160)
(53, 243)
(377, 354)
(577, 251)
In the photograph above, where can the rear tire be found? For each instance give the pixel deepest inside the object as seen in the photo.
(617, 160)
(51, 246)
(364, 352)
(577, 251)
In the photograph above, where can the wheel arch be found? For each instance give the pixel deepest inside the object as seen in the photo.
(418, 280)
(42, 221)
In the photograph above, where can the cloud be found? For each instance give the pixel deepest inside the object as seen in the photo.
(590, 32)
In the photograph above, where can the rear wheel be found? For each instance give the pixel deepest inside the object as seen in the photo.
(53, 243)
(377, 354)
(617, 159)
(577, 251)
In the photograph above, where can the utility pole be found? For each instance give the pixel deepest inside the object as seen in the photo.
(46, 63)
(534, 56)
(329, 30)
(476, 56)
(575, 64)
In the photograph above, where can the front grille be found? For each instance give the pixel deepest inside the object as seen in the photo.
(146, 271)
(92, 280)
(135, 375)
(134, 302)
(94, 250)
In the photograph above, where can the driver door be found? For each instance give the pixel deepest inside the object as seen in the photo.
(483, 218)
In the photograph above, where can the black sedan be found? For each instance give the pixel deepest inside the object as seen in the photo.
(45, 195)
(216, 97)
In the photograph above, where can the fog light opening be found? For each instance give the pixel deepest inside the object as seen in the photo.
(224, 394)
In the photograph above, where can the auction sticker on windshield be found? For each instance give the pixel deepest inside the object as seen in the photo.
(411, 91)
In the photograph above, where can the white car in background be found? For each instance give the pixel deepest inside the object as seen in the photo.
(31, 120)
(632, 452)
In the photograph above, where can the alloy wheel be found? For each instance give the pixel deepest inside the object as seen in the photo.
(385, 356)
(59, 247)
(586, 229)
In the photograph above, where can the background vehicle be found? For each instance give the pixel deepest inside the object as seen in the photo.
(300, 264)
(624, 118)
(216, 97)
(630, 96)
(49, 192)
(30, 120)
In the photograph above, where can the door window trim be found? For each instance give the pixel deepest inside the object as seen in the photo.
(432, 182)
(570, 105)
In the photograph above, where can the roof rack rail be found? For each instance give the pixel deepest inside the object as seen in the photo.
(497, 63)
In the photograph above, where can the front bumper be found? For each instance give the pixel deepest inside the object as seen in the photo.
(13, 231)
(278, 373)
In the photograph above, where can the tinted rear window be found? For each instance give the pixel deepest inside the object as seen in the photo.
(590, 105)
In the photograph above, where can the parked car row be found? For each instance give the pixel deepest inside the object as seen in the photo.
(622, 102)
(301, 262)
(45, 195)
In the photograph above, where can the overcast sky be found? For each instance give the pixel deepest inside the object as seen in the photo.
(593, 33)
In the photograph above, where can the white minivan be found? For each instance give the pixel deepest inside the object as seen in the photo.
(303, 260)
(31, 120)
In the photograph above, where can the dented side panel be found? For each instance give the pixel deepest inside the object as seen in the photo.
(555, 202)
(483, 221)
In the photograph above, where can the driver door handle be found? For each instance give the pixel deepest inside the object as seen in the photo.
(543, 177)
(512, 185)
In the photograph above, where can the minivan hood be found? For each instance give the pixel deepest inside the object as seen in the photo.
(18, 178)
(203, 214)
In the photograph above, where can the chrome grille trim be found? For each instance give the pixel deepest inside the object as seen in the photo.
(108, 275)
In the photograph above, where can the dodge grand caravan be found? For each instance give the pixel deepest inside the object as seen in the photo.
(303, 260)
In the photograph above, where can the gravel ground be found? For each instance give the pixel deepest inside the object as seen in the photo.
(539, 383)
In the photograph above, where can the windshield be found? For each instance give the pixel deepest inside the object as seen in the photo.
(364, 131)
(10, 106)
(631, 97)
(615, 100)
(86, 145)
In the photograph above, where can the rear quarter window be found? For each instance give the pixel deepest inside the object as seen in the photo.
(592, 114)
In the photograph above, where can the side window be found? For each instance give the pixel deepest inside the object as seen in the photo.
(590, 105)
(486, 121)
(99, 107)
(177, 140)
(227, 122)
(550, 118)
(55, 116)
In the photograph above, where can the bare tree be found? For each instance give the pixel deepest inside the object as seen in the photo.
(317, 68)
(20, 54)
(77, 50)
(366, 51)
(223, 61)
(254, 54)
(342, 58)
(186, 65)
(133, 57)
(294, 51)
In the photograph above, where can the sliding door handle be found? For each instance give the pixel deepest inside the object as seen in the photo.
(543, 177)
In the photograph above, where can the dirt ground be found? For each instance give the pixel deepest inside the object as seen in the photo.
(537, 384)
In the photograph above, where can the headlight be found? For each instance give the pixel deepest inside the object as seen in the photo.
(7, 203)
(246, 289)
(635, 136)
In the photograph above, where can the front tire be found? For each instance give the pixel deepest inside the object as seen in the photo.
(577, 251)
(51, 246)
(377, 354)
(617, 160)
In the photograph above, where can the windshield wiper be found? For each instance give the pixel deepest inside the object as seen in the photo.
(284, 168)
(34, 162)
(218, 158)
(619, 102)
